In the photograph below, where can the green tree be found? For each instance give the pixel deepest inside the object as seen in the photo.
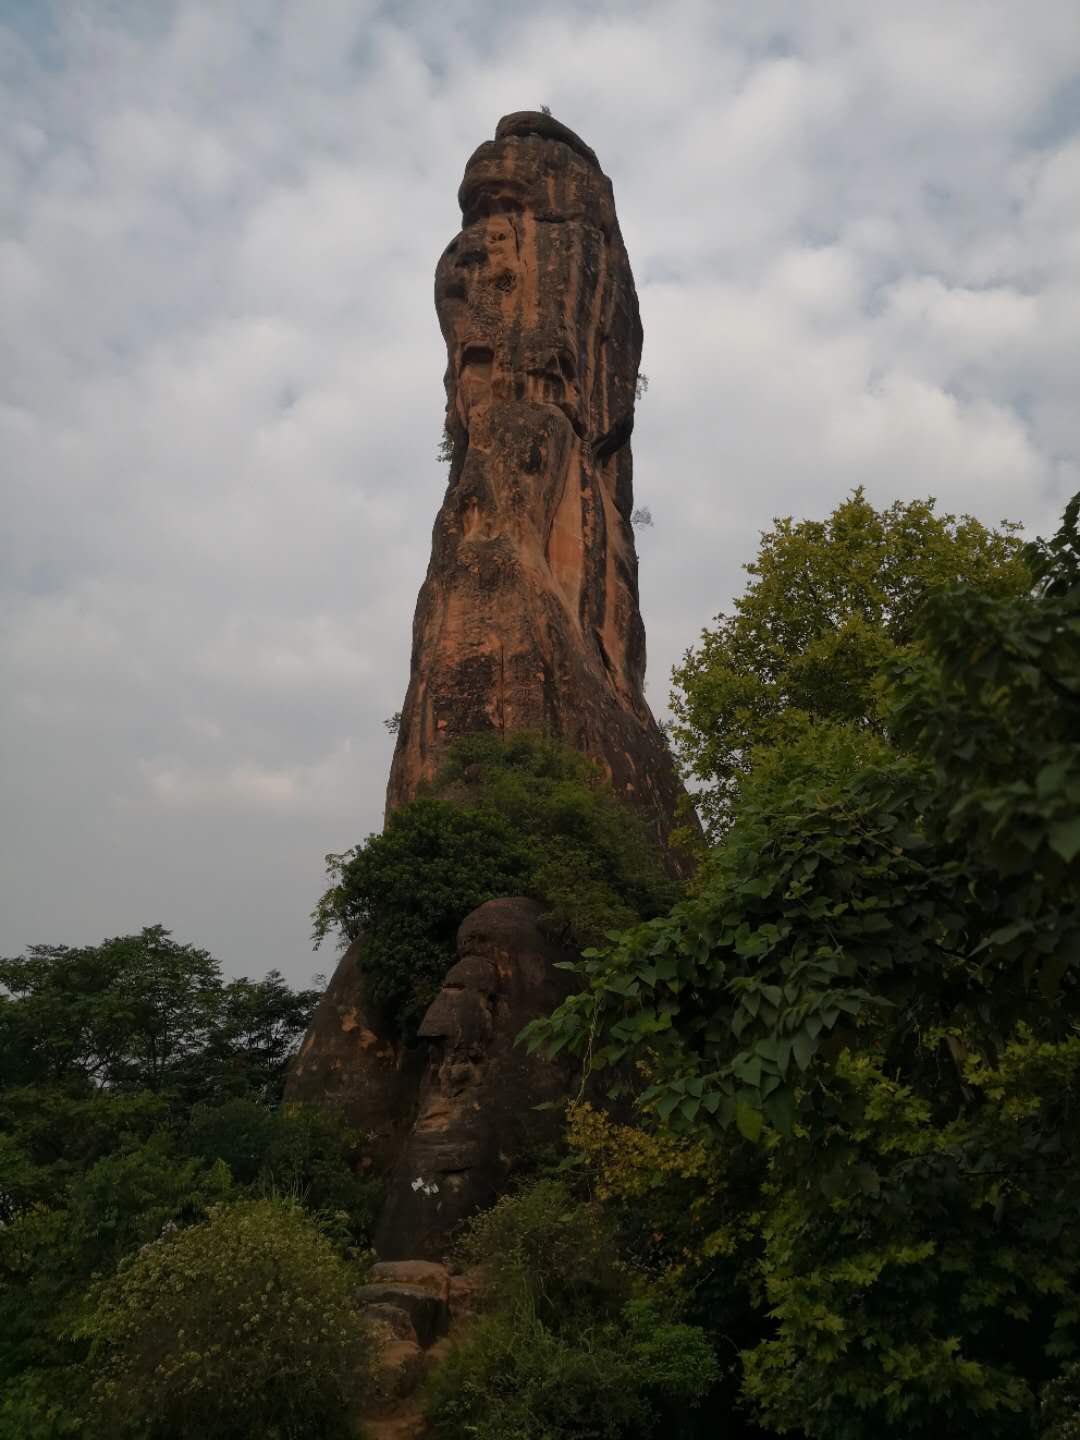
(879, 979)
(303, 1152)
(144, 1012)
(829, 605)
(128, 1013)
(50, 1251)
(256, 1029)
(407, 891)
(245, 1324)
(103, 1051)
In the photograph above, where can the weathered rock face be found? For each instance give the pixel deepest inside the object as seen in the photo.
(476, 1117)
(529, 618)
(352, 1059)
(457, 1111)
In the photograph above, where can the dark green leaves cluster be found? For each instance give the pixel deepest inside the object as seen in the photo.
(937, 889)
(821, 903)
(245, 1324)
(520, 816)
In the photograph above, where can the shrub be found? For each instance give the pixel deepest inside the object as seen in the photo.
(570, 1349)
(243, 1325)
(552, 1254)
(514, 1376)
(521, 816)
(306, 1153)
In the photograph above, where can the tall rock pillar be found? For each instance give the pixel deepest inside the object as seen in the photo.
(528, 618)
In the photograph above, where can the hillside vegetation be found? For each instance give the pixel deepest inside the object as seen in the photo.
(821, 1174)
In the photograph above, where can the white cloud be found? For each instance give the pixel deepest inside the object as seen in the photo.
(855, 236)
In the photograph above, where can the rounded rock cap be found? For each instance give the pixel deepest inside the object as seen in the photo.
(545, 127)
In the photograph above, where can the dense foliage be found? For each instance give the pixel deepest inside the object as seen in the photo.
(837, 1194)
(878, 980)
(142, 1012)
(245, 1324)
(137, 1091)
(830, 605)
(573, 1346)
(515, 816)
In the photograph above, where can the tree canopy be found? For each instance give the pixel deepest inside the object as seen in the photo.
(144, 1012)
(138, 1090)
(878, 981)
(830, 604)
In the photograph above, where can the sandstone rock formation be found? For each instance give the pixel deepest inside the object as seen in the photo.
(476, 1116)
(451, 1119)
(352, 1059)
(528, 618)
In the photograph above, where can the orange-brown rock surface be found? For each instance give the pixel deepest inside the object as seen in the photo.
(528, 618)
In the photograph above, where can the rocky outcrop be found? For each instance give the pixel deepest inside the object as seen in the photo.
(352, 1059)
(452, 1117)
(528, 618)
(476, 1116)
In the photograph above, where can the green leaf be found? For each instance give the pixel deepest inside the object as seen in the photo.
(748, 1069)
(666, 1104)
(749, 1121)
(1064, 838)
(1053, 970)
(1051, 778)
(803, 1048)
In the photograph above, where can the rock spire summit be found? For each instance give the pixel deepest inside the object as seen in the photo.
(528, 618)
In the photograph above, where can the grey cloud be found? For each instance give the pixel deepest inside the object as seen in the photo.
(854, 232)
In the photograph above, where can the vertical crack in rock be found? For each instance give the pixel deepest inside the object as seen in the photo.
(529, 618)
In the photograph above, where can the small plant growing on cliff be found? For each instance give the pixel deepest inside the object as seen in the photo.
(641, 384)
(445, 452)
(245, 1325)
(642, 516)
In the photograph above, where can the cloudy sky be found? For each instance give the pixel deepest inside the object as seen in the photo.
(855, 229)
